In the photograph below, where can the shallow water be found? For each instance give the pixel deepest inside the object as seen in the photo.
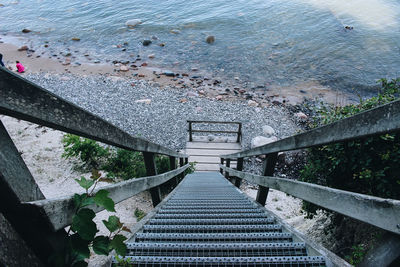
(270, 43)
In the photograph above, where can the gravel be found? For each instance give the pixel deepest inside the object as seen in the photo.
(163, 121)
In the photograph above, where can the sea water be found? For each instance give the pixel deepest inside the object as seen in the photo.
(262, 42)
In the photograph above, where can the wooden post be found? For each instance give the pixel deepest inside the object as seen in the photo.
(182, 175)
(172, 166)
(239, 167)
(186, 161)
(151, 170)
(222, 163)
(239, 133)
(35, 240)
(269, 166)
(228, 164)
(190, 132)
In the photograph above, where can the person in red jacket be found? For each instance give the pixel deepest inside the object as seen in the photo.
(20, 67)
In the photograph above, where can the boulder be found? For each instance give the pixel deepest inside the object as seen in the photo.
(210, 39)
(268, 130)
(252, 103)
(169, 73)
(26, 31)
(132, 23)
(175, 31)
(75, 39)
(301, 116)
(23, 48)
(123, 68)
(146, 42)
(261, 140)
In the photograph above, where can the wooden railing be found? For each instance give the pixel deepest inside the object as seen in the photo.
(383, 213)
(39, 221)
(238, 132)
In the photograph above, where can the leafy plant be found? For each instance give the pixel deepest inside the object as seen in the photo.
(88, 151)
(118, 163)
(358, 253)
(368, 165)
(139, 214)
(82, 234)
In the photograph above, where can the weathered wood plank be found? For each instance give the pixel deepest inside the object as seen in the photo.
(20, 98)
(204, 159)
(204, 152)
(217, 139)
(269, 167)
(60, 210)
(383, 213)
(151, 170)
(17, 185)
(210, 167)
(376, 121)
(215, 122)
(207, 145)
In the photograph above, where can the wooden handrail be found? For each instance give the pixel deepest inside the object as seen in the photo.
(383, 213)
(21, 99)
(59, 211)
(380, 120)
(191, 130)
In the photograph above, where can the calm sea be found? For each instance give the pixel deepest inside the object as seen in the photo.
(263, 42)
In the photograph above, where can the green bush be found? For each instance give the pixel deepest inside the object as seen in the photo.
(368, 166)
(88, 151)
(118, 163)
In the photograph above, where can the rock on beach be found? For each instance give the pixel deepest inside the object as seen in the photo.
(132, 23)
(261, 140)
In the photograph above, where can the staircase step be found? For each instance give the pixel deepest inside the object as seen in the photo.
(213, 237)
(189, 221)
(210, 215)
(226, 261)
(211, 228)
(217, 249)
(212, 211)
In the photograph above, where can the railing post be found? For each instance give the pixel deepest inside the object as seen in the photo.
(228, 164)
(239, 133)
(190, 132)
(239, 167)
(269, 166)
(151, 170)
(222, 163)
(172, 166)
(35, 240)
(182, 175)
(186, 161)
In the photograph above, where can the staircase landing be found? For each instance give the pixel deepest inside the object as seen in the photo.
(206, 153)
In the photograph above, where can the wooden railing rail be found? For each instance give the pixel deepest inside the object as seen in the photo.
(191, 130)
(21, 99)
(380, 120)
(59, 211)
(383, 213)
(40, 221)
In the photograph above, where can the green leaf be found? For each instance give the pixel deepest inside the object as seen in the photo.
(85, 183)
(83, 224)
(113, 223)
(80, 247)
(101, 245)
(101, 199)
(118, 244)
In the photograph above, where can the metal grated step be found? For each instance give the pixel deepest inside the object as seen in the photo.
(234, 221)
(232, 228)
(227, 261)
(214, 237)
(209, 215)
(217, 249)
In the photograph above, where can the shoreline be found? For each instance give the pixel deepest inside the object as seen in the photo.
(145, 69)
